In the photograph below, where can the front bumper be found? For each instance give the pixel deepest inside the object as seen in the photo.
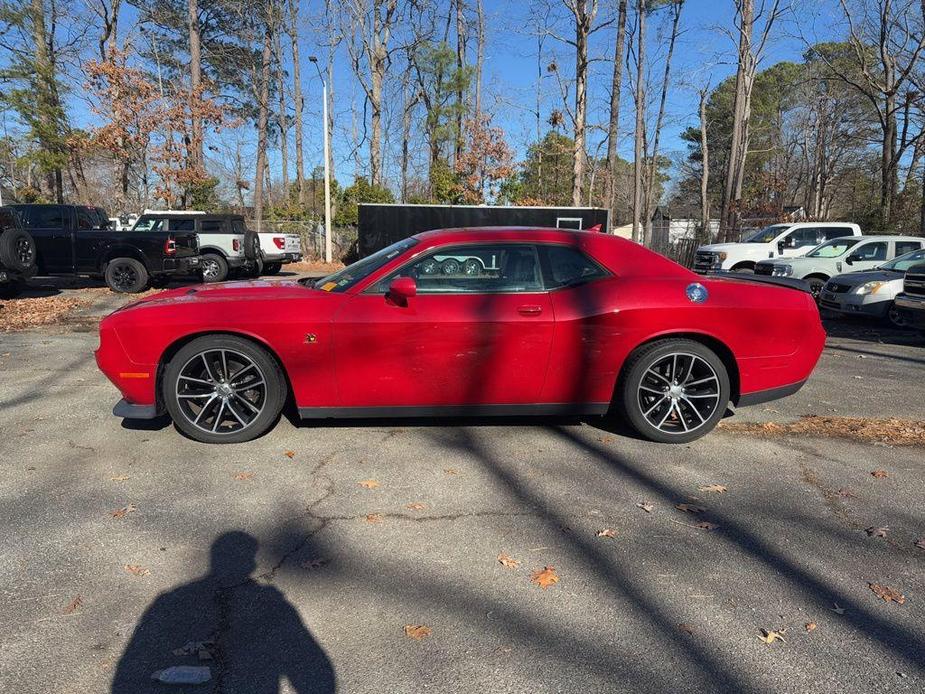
(852, 304)
(912, 308)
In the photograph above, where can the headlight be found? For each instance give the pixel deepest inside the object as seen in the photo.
(870, 287)
(782, 270)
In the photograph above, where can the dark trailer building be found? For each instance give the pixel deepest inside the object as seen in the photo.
(383, 225)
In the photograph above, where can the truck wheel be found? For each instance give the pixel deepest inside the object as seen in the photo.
(214, 267)
(673, 390)
(450, 266)
(223, 389)
(272, 268)
(17, 250)
(472, 267)
(126, 275)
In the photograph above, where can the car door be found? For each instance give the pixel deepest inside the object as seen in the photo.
(866, 256)
(478, 332)
(798, 242)
(50, 226)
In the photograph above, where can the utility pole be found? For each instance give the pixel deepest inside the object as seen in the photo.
(328, 255)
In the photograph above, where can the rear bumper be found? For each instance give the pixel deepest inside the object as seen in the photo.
(762, 396)
(181, 265)
(283, 258)
(127, 410)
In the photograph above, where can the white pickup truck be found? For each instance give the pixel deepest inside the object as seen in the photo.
(277, 249)
(775, 241)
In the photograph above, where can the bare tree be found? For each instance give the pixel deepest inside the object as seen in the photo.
(705, 167)
(298, 101)
(460, 64)
(195, 71)
(282, 116)
(479, 55)
(584, 12)
(263, 106)
(613, 128)
(640, 104)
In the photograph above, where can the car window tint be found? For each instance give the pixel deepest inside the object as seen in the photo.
(871, 251)
(183, 225)
(85, 219)
(475, 269)
(804, 237)
(210, 226)
(43, 217)
(569, 266)
(829, 233)
(237, 226)
(903, 247)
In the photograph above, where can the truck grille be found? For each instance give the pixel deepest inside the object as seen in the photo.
(703, 262)
(764, 268)
(914, 283)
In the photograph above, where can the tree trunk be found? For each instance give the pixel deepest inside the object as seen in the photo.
(582, 28)
(613, 129)
(639, 154)
(888, 174)
(705, 171)
(407, 105)
(298, 102)
(479, 57)
(262, 118)
(45, 98)
(282, 118)
(460, 64)
(195, 70)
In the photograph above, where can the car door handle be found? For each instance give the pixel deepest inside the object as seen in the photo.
(530, 310)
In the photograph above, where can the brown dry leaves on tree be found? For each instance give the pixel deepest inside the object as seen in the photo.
(369, 484)
(887, 594)
(545, 577)
(507, 561)
(417, 631)
(136, 570)
(24, 314)
(895, 431)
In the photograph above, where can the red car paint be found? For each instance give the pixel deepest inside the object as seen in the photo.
(353, 349)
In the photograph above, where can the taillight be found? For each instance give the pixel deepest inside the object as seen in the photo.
(280, 242)
(170, 246)
(236, 244)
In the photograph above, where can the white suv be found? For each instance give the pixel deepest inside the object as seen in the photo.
(776, 241)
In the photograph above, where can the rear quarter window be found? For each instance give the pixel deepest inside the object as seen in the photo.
(567, 266)
(211, 226)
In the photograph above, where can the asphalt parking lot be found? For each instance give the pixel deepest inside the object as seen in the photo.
(310, 559)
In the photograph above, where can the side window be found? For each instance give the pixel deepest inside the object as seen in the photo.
(903, 247)
(871, 251)
(568, 266)
(803, 237)
(183, 225)
(85, 219)
(237, 227)
(829, 233)
(210, 226)
(50, 217)
(475, 269)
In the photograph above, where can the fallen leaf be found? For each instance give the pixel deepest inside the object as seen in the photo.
(369, 484)
(416, 506)
(887, 594)
(837, 609)
(74, 605)
(879, 474)
(846, 493)
(289, 454)
(508, 561)
(545, 577)
(374, 518)
(242, 476)
(607, 532)
(876, 532)
(690, 508)
(119, 478)
(451, 471)
(810, 626)
(705, 525)
(686, 628)
(717, 488)
(136, 570)
(645, 506)
(417, 631)
(772, 636)
(313, 564)
(920, 543)
(122, 512)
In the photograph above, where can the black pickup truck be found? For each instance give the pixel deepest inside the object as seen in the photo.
(17, 254)
(72, 240)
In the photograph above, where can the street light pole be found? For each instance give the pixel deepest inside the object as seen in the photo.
(328, 255)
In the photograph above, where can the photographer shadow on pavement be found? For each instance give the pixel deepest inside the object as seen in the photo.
(245, 632)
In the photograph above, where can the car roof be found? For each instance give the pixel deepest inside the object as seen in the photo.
(883, 237)
(171, 214)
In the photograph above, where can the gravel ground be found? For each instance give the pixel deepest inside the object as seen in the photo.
(305, 554)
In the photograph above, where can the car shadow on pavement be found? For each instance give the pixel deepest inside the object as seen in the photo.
(244, 631)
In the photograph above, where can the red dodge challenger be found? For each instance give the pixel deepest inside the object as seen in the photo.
(467, 322)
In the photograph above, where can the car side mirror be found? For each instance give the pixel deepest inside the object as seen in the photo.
(781, 245)
(851, 258)
(402, 289)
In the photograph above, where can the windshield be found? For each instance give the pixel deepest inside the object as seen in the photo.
(344, 279)
(767, 234)
(904, 262)
(832, 249)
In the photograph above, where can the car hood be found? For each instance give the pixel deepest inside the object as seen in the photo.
(251, 290)
(856, 279)
(727, 247)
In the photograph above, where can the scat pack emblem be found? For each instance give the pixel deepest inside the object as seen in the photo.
(697, 293)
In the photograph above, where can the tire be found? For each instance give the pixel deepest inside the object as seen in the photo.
(17, 250)
(229, 414)
(472, 267)
(126, 275)
(896, 318)
(272, 268)
(450, 266)
(11, 289)
(430, 267)
(214, 268)
(650, 371)
(815, 285)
